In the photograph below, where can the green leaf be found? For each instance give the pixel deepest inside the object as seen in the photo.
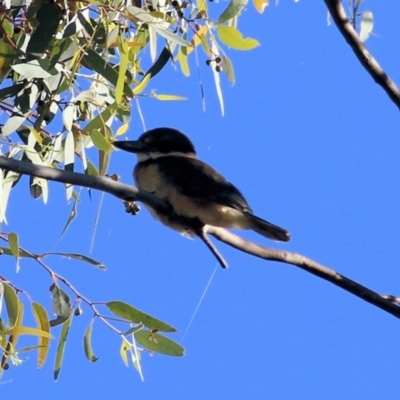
(159, 344)
(99, 65)
(173, 37)
(123, 50)
(11, 91)
(168, 97)
(35, 69)
(61, 346)
(122, 352)
(81, 257)
(14, 246)
(233, 9)
(26, 330)
(12, 305)
(61, 305)
(48, 16)
(227, 67)
(100, 141)
(142, 85)
(99, 121)
(91, 169)
(132, 314)
(72, 215)
(22, 253)
(87, 344)
(231, 37)
(43, 324)
(160, 63)
(104, 160)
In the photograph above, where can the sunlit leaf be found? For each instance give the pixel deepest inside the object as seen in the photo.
(122, 352)
(168, 97)
(61, 346)
(159, 343)
(25, 330)
(132, 314)
(366, 25)
(173, 37)
(94, 61)
(35, 69)
(260, 5)
(142, 85)
(43, 324)
(233, 38)
(123, 50)
(100, 141)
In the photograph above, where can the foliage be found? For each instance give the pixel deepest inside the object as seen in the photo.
(68, 73)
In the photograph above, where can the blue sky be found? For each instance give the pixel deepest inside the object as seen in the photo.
(314, 144)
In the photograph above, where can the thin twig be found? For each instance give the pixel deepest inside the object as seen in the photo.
(360, 50)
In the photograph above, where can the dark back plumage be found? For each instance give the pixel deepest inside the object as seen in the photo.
(198, 181)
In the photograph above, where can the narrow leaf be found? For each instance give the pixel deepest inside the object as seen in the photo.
(233, 9)
(83, 258)
(26, 330)
(100, 141)
(61, 346)
(142, 85)
(168, 97)
(132, 314)
(12, 305)
(43, 324)
(124, 51)
(160, 63)
(97, 63)
(159, 344)
(14, 246)
(87, 344)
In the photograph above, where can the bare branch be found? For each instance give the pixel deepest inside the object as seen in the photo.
(130, 193)
(360, 50)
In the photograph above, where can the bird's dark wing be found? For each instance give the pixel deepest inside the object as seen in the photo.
(196, 179)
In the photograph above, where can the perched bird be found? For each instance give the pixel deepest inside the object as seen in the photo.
(167, 167)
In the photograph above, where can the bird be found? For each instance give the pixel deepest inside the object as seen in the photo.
(168, 167)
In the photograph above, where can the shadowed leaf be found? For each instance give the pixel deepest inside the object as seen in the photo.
(87, 344)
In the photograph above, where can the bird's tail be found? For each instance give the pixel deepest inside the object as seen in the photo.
(268, 230)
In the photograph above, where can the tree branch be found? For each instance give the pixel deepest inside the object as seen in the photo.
(362, 53)
(130, 193)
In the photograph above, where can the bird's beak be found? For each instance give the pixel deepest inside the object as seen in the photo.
(133, 146)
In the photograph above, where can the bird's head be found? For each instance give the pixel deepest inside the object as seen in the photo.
(159, 142)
